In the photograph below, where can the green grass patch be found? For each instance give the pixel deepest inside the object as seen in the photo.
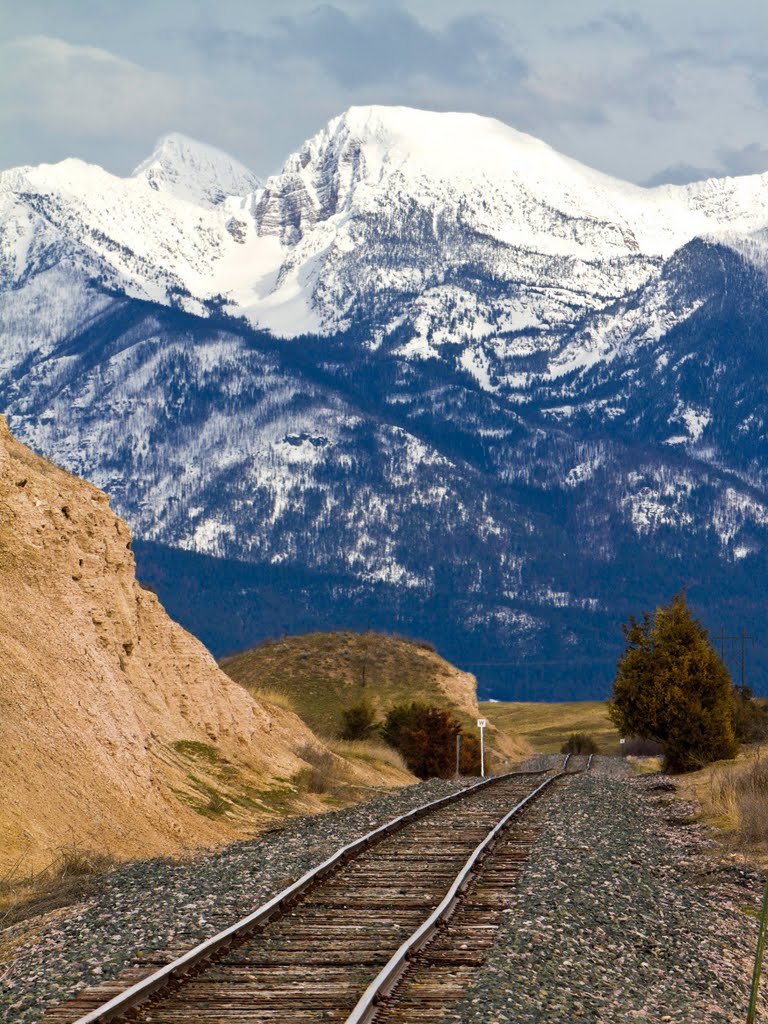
(208, 758)
(192, 748)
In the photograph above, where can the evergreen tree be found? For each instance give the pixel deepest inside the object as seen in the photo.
(672, 687)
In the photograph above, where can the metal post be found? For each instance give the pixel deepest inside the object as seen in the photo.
(458, 753)
(758, 958)
(481, 724)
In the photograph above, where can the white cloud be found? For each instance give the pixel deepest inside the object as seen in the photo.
(51, 87)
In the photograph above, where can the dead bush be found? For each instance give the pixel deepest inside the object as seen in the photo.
(71, 876)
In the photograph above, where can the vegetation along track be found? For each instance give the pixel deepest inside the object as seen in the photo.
(370, 911)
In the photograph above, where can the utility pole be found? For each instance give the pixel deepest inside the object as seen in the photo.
(742, 638)
(458, 753)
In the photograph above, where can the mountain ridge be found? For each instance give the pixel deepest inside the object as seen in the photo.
(456, 430)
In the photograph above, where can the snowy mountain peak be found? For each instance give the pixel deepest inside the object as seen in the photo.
(194, 171)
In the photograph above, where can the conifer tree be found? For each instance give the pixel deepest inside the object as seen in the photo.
(672, 687)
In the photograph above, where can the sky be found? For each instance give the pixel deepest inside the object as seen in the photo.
(666, 90)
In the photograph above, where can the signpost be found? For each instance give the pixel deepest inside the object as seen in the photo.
(481, 724)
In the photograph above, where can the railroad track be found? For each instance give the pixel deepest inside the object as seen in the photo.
(407, 906)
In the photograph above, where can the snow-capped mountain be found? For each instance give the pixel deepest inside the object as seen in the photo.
(432, 375)
(201, 174)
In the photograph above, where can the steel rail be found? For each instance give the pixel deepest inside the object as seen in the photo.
(143, 990)
(388, 977)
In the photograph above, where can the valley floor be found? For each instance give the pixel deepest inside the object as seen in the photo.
(622, 914)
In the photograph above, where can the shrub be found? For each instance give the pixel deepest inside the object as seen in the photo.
(358, 722)
(426, 737)
(579, 743)
(672, 687)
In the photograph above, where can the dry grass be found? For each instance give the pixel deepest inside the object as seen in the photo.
(278, 697)
(734, 798)
(70, 877)
(373, 751)
(646, 765)
(325, 774)
(547, 726)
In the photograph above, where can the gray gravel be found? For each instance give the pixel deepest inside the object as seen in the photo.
(621, 915)
(155, 905)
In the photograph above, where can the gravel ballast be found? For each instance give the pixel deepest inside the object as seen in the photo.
(619, 915)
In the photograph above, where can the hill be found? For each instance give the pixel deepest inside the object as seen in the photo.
(323, 673)
(118, 732)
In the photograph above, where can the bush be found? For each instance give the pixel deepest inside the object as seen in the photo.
(579, 743)
(358, 722)
(426, 737)
(671, 687)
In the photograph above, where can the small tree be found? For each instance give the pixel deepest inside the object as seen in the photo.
(358, 722)
(672, 687)
(426, 737)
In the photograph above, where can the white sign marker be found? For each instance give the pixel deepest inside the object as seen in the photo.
(481, 724)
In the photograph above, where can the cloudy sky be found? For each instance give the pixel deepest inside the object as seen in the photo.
(666, 90)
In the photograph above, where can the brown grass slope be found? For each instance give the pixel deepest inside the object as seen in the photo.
(118, 732)
(320, 674)
(546, 726)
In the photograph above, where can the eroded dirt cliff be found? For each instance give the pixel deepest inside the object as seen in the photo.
(118, 732)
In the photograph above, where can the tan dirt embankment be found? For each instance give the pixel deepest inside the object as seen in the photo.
(118, 732)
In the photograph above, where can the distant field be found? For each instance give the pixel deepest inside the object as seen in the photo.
(547, 726)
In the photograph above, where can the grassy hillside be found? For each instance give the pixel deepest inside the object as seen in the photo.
(547, 726)
(320, 674)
